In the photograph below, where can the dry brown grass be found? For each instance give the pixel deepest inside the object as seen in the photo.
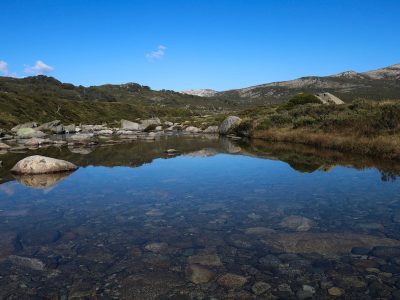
(387, 146)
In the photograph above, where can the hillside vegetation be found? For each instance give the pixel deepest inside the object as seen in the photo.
(364, 127)
(43, 99)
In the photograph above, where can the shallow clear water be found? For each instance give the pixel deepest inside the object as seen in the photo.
(135, 223)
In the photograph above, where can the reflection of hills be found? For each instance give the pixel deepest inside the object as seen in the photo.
(41, 181)
(136, 153)
(132, 154)
(308, 159)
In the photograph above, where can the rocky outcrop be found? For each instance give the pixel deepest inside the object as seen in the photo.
(329, 99)
(228, 124)
(38, 164)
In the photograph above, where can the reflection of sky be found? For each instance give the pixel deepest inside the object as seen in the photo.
(218, 177)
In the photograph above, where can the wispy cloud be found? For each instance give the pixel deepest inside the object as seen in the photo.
(3, 68)
(156, 54)
(39, 68)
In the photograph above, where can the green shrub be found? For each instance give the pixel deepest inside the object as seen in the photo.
(301, 99)
(388, 117)
(264, 124)
(281, 119)
(303, 121)
(244, 128)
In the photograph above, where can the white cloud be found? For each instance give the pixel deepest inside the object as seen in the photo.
(156, 54)
(39, 68)
(3, 68)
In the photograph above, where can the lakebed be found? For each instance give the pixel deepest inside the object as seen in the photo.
(214, 219)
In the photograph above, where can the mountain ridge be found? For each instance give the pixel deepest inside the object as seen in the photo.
(379, 84)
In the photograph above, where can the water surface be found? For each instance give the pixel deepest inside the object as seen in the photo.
(289, 222)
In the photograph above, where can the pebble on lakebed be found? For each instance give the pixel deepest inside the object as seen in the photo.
(38, 164)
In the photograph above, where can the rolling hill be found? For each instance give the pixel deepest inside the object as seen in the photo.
(375, 85)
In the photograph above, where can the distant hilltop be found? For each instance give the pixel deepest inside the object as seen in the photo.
(201, 92)
(377, 84)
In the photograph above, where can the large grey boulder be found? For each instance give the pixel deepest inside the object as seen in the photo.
(59, 129)
(25, 125)
(228, 124)
(128, 125)
(81, 138)
(27, 133)
(38, 164)
(49, 126)
(146, 123)
(71, 128)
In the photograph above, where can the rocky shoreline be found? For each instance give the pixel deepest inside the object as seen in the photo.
(32, 135)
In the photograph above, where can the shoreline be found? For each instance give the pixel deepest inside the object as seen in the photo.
(381, 146)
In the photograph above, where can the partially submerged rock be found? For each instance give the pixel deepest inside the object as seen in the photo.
(81, 138)
(38, 164)
(4, 146)
(34, 142)
(228, 124)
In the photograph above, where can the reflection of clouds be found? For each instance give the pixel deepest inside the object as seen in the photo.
(8, 188)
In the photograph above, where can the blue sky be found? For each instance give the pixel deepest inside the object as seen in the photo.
(184, 44)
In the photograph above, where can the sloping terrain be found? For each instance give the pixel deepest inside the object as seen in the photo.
(375, 85)
(42, 99)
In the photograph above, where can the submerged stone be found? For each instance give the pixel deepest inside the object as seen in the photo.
(199, 274)
(209, 260)
(297, 223)
(31, 263)
(231, 281)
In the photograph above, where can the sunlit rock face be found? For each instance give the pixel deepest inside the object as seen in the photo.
(38, 164)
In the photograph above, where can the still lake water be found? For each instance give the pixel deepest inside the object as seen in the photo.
(218, 220)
